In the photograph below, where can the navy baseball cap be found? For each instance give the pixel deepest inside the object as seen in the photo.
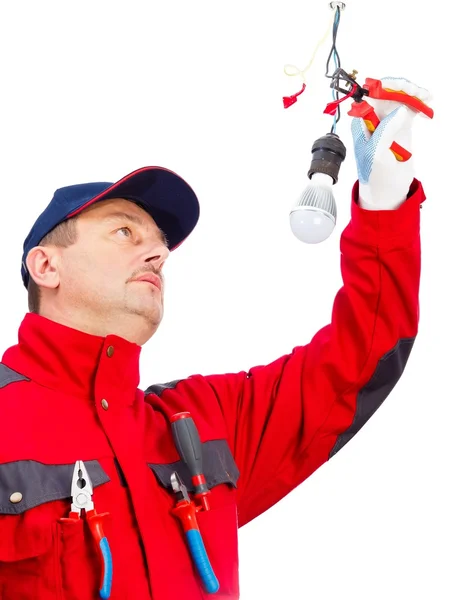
(162, 193)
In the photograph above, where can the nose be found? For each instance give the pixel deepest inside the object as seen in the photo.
(157, 255)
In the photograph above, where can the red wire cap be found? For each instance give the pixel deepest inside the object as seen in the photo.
(289, 100)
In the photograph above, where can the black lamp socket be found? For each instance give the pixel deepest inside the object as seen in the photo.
(328, 153)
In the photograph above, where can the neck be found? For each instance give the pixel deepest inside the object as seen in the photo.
(131, 327)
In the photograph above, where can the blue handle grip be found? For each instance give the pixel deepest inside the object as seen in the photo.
(201, 560)
(105, 591)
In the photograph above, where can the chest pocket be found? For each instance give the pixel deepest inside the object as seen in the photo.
(219, 525)
(33, 497)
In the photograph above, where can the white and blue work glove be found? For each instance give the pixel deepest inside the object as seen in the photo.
(384, 181)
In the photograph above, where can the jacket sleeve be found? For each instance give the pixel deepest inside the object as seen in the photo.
(287, 418)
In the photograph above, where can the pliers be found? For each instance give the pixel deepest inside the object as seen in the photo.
(363, 110)
(185, 510)
(82, 494)
(373, 88)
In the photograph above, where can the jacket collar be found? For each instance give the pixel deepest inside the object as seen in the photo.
(75, 363)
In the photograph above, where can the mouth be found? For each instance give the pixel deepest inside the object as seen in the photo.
(152, 279)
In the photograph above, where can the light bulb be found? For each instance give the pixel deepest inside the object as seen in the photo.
(313, 218)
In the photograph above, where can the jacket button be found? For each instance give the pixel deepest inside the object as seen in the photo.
(104, 404)
(16, 497)
(110, 351)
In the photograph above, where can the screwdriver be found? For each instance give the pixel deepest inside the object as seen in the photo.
(189, 448)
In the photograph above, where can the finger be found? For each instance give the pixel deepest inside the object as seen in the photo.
(391, 126)
(360, 132)
(401, 84)
(382, 108)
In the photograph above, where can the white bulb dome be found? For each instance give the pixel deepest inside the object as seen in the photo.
(313, 218)
(311, 225)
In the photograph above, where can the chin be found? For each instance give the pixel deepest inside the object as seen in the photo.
(152, 314)
(154, 317)
(155, 320)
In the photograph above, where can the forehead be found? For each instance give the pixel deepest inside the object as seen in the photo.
(104, 208)
(122, 210)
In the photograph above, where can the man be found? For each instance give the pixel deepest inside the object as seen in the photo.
(93, 266)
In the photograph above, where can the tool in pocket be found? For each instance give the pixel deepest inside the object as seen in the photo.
(189, 448)
(82, 494)
(185, 510)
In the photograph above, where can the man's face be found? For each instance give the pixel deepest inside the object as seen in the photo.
(118, 242)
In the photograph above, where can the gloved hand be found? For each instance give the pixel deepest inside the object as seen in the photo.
(384, 181)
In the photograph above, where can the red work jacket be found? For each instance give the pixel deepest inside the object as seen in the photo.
(66, 396)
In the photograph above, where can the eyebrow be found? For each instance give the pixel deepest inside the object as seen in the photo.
(120, 215)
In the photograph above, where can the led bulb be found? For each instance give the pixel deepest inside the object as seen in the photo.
(313, 217)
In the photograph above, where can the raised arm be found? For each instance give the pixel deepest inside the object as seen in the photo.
(287, 418)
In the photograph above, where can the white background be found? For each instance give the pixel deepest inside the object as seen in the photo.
(93, 90)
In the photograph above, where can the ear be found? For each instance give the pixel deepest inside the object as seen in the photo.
(42, 263)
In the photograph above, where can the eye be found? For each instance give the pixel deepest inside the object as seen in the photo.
(125, 229)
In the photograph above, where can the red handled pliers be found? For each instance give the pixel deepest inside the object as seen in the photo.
(363, 110)
(374, 89)
(82, 493)
(185, 511)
